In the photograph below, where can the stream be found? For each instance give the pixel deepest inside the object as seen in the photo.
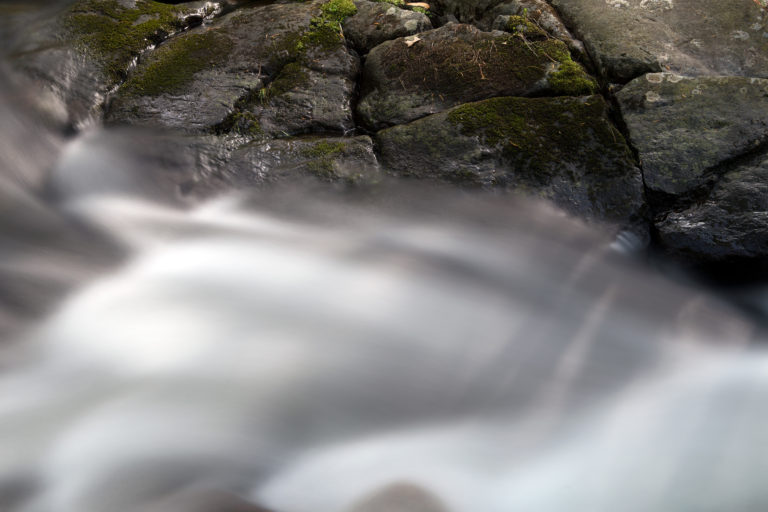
(305, 349)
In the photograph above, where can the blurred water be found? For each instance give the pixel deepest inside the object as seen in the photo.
(308, 350)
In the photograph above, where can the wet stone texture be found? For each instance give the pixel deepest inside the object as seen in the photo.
(563, 149)
(690, 37)
(684, 128)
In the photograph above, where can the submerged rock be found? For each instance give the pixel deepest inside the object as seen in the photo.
(732, 223)
(376, 22)
(627, 38)
(563, 149)
(684, 128)
(272, 70)
(412, 77)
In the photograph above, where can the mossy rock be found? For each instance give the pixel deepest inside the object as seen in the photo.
(339, 160)
(275, 70)
(564, 149)
(115, 34)
(408, 78)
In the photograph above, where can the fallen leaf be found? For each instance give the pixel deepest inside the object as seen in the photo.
(412, 41)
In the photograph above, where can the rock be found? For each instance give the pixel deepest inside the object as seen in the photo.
(563, 149)
(732, 223)
(627, 38)
(465, 11)
(376, 22)
(348, 161)
(79, 55)
(226, 78)
(412, 77)
(538, 12)
(684, 128)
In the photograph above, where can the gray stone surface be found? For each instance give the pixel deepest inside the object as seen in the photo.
(408, 78)
(563, 149)
(684, 128)
(691, 37)
(731, 223)
(376, 22)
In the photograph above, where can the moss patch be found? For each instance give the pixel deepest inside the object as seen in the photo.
(324, 149)
(468, 65)
(172, 66)
(570, 79)
(115, 35)
(522, 26)
(540, 136)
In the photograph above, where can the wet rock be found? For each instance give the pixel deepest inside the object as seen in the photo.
(538, 12)
(731, 223)
(627, 38)
(376, 22)
(412, 77)
(281, 69)
(563, 149)
(348, 161)
(684, 128)
(77, 56)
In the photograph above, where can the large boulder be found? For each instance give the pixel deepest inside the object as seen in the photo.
(412, 77)
(281, 69)
(627, 38)
(564, 149)
(730, 224)
(376, 22)
(78, 55)
(685, 128)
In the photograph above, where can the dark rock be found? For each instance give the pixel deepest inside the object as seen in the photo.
(348, 161)
(731, 223)
(563, 149)
(84, 51)
(430, 72)
(465, 11)
(259, 72)
(538, 12)
(627, 38)
(684, 128)
(376, 22)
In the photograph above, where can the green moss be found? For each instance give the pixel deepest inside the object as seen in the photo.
(570, 79)
(461, 67)
(540, 136)
(323, 155)
(522, 26)
(172, 66)
(397, 3)
(421, 10)
(324, 149)
(115, 35)
(338, 10)
(292, 76)
(241, 122)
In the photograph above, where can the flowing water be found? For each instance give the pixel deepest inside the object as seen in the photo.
(309, 351)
